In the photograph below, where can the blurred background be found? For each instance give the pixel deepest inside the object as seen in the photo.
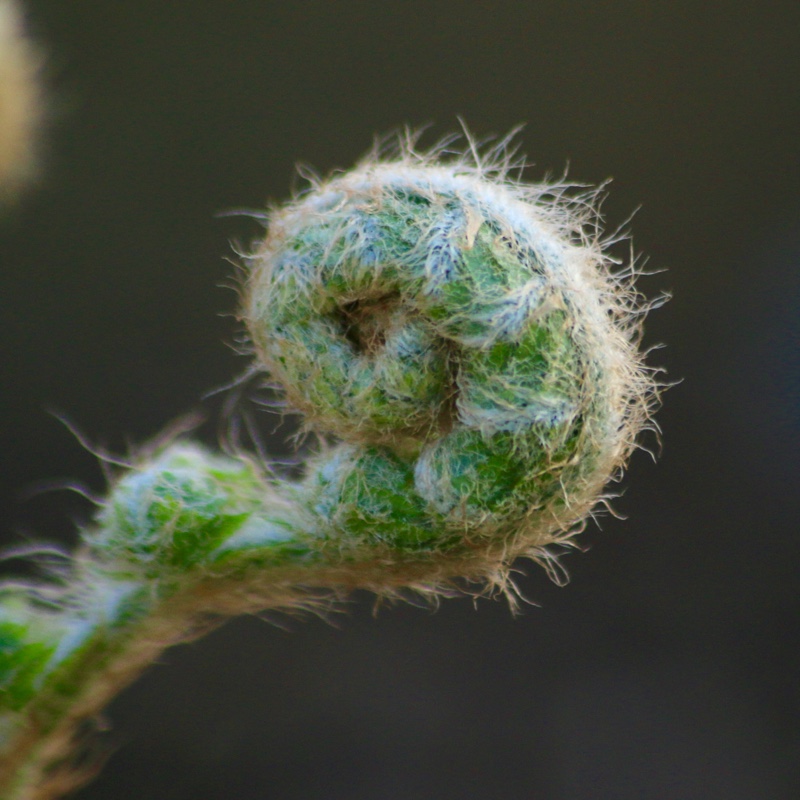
(667, 668)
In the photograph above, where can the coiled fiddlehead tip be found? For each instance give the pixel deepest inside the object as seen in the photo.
(463, 336)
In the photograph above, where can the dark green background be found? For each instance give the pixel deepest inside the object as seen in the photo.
(667, 669)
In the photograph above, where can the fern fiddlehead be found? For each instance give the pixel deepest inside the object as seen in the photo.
(457, 335)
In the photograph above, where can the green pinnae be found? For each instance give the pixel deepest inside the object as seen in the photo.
(467, 473)
(371, 496)
(174, 511)
(531, 384)
(23, 660)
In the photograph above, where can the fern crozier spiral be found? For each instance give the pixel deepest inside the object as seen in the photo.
(463, 337)
(461, 347)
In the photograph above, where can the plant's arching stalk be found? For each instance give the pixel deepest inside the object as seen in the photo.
(457, 334)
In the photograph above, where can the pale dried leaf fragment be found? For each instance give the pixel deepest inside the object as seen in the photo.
(20, 102)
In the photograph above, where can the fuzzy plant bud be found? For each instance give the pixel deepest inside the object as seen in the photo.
(462, 336)
(467, 359)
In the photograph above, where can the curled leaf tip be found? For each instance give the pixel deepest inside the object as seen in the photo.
(464, 338)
